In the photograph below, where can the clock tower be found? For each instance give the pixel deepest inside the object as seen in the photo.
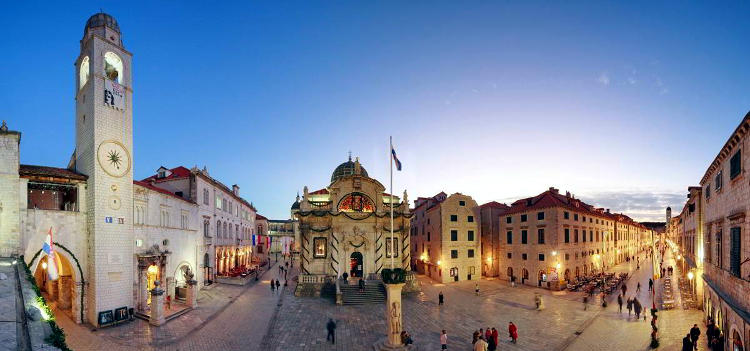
(104, 144)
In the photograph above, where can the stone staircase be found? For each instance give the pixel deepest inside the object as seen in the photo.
(374, 293)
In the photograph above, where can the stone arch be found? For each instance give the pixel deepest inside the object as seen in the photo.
(66, 292)
(735, 338)
(179, 278)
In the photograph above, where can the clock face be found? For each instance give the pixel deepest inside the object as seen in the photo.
(114, 158)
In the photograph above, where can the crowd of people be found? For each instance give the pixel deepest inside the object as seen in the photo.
(485, 339)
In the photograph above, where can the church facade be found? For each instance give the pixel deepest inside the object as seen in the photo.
(345, 228)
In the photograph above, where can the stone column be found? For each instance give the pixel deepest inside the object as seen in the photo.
(157, 317)
(143, 294)
(192, 294)
(76, 302)
(393, 314)
(64, 294)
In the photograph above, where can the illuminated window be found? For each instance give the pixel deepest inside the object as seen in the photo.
(356, 202)
(319, 247)
(112, 67)
(83, 73)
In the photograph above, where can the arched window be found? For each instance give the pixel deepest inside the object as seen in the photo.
(218, 229)
(113, 67)
(205, 229)
(83, 73)
(225, 230)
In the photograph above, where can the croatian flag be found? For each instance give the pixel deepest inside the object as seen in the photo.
(51, 264)
(395, 159)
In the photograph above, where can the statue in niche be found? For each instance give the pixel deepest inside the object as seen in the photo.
(395, 318)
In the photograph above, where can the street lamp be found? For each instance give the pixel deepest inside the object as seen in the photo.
(690, 279)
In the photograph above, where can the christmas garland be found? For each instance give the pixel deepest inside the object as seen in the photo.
(336, 214)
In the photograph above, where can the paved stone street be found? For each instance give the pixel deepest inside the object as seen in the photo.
(258, 319)
(8, 294)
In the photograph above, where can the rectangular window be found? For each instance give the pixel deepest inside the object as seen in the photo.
(575, 216)
(719, 257)
(510, 255)
(591, 235)
(566, 215)
(735, 251)
(454, 235)
(524, 257)
(540, 216)
(509, 237)
(567, 235)
(471, 253)
(454, 218)
(523, 218)
(583, 232)
(524, 237)
(718, 180)
(735, 165)
(319, 247)
(541, 257)
(567, 256)
(508, 219)
(462, 203)
(540, 236)
(218, 201)
(454, 253)
(470, 219)
(575, 235)
(471, 235)
(708, 191)
(205, 196)
(428, 236)
(391, 247)
(583, 218)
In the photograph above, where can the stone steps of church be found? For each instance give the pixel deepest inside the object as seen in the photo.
(374, 293)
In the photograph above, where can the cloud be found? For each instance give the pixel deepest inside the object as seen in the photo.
(603, 79)
(640, 205)
(632, 81)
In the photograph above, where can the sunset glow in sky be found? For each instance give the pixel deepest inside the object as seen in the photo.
(623, 104)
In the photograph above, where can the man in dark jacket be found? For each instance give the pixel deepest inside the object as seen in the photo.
(687, 345)
(331, 326)
(695, 333)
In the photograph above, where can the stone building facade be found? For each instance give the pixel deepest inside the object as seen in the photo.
(346, 228)
(445, 238)
(491, 234)
(724, 251)
(113, 237)
(227, 221)
(550, 239)
(282, 234)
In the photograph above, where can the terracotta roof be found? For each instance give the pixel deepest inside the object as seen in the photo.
(44, 171)
(177, 173)
(260, 217)
(551, 198)
(160, 190)
(431, 200)
(495, 204)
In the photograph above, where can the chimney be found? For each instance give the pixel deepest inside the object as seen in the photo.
(236, 190)
(607, 210)
(567, 194)
(554, 190)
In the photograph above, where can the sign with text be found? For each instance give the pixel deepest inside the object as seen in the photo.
(114, 95)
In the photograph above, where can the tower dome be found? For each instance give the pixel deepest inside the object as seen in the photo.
(102, 19)
(346, 169)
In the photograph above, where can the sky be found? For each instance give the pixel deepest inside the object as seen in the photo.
(624, 104)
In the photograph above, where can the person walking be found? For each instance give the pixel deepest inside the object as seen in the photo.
(637, 307)
(443, 340)
(361, 285)
(687, 345)
(650, 284)
(638, 288)
(495, 336)
(513, 332)
(273, 286)
(476, 288)
(331, 326)
(585, 302)
(624, 289)
(491, 342)
(440, 299)
(278, 285)
(475, 337)
(619, 302)
(487, 335)
(695, 333)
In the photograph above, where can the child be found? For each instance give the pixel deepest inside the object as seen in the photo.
(443, 340)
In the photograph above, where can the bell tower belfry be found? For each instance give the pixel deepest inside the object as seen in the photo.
(104, 144)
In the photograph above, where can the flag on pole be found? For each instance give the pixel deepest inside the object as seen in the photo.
(395, 159)
(51, 263)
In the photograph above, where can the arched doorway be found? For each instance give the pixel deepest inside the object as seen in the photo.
(578, 272)
(585, 270)
(737, 341)
(567, 274)
(510, 272)
(540, 278)
(181, 276)
(356, 264)
(524, 276)
(60, 292)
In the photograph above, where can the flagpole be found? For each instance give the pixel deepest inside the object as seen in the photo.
(390, 156)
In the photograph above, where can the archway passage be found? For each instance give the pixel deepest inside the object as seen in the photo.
(510, 272)
(567, 275)
(540, 278)
(524, 276)
(356, 264)
(59, 293)
(737, 342)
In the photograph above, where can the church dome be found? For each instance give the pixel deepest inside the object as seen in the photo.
(102, 19)
(295, 205)
(346, 169)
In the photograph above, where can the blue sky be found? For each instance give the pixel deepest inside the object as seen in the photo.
(624, 104)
